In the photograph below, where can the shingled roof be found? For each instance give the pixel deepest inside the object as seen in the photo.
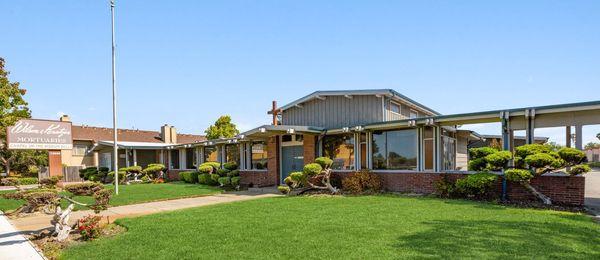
(95, 134)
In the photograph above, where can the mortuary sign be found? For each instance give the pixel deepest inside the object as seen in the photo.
(40, 135)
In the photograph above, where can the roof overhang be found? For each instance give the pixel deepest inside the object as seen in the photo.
(131, 145)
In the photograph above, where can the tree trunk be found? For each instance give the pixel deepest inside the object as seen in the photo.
(61, 222)
(538, 194)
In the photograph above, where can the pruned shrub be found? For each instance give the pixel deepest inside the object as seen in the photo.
(579, 169)
(477, 185)
(478, 164)
(223, 172)
(205, 169)
(498, 160)
(154, 170)
(444, 188)
(224, 181)
(531, 149)
(542, 160)
(110, 177)
(518, 175)
(89, 227)
(233, 173)
(312, 169)
(132, 169)
(51, 182)
(571, 156)
(235, 181)
(284, 189)
(362, 182)
(189, 176)
(204, 178)
(84, 189)
(9, 181)
(215, 165)
(214, 178)
(481, 152)
(27, 181)
(230, 166)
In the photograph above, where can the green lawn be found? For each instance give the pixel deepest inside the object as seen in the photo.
(9, 204)
(372, 227)
(137, 193)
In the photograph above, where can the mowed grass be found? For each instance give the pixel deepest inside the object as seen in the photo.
(370, 227)
(133, 194)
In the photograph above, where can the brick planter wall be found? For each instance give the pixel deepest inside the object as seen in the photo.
(563, 190)
(254, 178)
(173, 175)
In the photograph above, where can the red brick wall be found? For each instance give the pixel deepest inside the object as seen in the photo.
(173, 175)
(309, 144)
(255, 178)
(565, 190)
(272, 161)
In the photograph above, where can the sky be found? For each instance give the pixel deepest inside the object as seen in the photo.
(185, 63)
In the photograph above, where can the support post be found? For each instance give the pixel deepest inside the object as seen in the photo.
(568, 137)
(135, 157)
(437, 140)
(127, 158)
(506, 140)
(579, 137)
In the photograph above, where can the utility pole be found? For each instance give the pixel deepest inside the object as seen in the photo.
(114, 101)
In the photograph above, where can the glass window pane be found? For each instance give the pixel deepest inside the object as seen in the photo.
(379, 153)
(394, 107)
(190, 163)
(259, 156)
(395, 150)
(232, 153)
(174, 159)
(340, 148)
(211, 154)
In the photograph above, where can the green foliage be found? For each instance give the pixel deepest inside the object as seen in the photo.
(481, 152)
(579, 169)
(132, 169)
(592, 145)
(214, 178)
(594, 164)
(297, 176)
(541, 160)
(312, 169)
(111, 177)
(28, 181)
(205, 169)
(444, 187)
(224, 181)
(531, 149)
(15, 181)
(154, 169)
(233, 173)
(324, 162)
(478, 164)
(89, 227)
(51, 182)
(33, 171)
(571, 156)
(222, 172)
(189, 176)
(230, 166)
(204, 178)
(235, 181)
(518, 175)
(223, 128)
(215, 165)
(498, 160)
(284, 189)
(476, 185)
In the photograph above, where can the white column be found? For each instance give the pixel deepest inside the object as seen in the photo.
(134, 157)
(161, 160)
(369, 150)
(126, 157)
(579, 137)
(169, 159)
(182, 159)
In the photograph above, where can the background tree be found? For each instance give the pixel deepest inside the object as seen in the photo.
(223, 128)
(13, 107)
(592, 145)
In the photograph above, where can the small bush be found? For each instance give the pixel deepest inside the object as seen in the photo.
(540, 160)
(498, 160)
(477, 185)
(89, 227)
(224, 181)
(444, 187)
(478, 164)
(110, 177)
(132, 169)
(362, 182)
(223, 172)
(33, 171)
(215, 165)
(235, 181)
(214, 179)
(230, 166)
(233, 173)
(571, 155)
(28, 181)
(50, 183)
(312, 169)
(324, 162)
(531, 149)
(481, 152)
(189, 177)
(84, 189)
(205, 169)
(284, 189)
(518, 175)
(146, 179)
(9, 181)
(579, 169)
(204, 178)
(154, 170)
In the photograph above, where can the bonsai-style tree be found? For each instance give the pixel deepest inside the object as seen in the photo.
(314, 176)
(529, 161)
(223, 128)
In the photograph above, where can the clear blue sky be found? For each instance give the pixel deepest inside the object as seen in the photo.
(187, 62)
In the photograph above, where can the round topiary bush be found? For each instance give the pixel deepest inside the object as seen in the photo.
(478, 164)
(235, 181)
(233, 173)
(540, 160)
(518, 175)
(204, 178)
(284, 189)
(324, 162)
(312, 169)
(579, 169)
(571, 155)
(223, 172)
(205, 169)
(214, 179)
(481, 152)
(224, 181)
(498, 160)
(230, 166)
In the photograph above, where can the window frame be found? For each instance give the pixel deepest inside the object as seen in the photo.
(266, 151)
(352, 137)
(396, 104)
(416, 167)
(79, 146)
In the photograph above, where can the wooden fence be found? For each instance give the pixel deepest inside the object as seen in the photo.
(70, 174)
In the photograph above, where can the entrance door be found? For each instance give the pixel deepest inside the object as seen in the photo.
(292, 160)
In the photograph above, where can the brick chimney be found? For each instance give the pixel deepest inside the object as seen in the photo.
(168, 134)
(173, 135)
(65, 118)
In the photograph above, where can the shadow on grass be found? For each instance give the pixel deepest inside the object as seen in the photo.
(502, 239)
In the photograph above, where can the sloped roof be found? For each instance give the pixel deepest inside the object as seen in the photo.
(362, 92)
(96, 134)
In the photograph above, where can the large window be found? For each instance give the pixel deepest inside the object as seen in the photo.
(211, 154)
(363, 151)
(232, 153)
(340, 148)
(174, 159)
(259, 156)
(190, 158)
(395, 150)
(448, 151)
(79, 150)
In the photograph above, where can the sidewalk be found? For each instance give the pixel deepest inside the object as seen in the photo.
(41, 221)
(13, 245)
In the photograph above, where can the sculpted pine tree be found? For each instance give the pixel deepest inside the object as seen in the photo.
(12, 108)
(223, 128)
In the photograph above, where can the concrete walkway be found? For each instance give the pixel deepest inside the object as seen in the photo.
(592, 192)
(13, 245)
(40, 221)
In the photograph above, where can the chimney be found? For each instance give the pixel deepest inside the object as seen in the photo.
(65, 118)
(173, 135)
(165, 133)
